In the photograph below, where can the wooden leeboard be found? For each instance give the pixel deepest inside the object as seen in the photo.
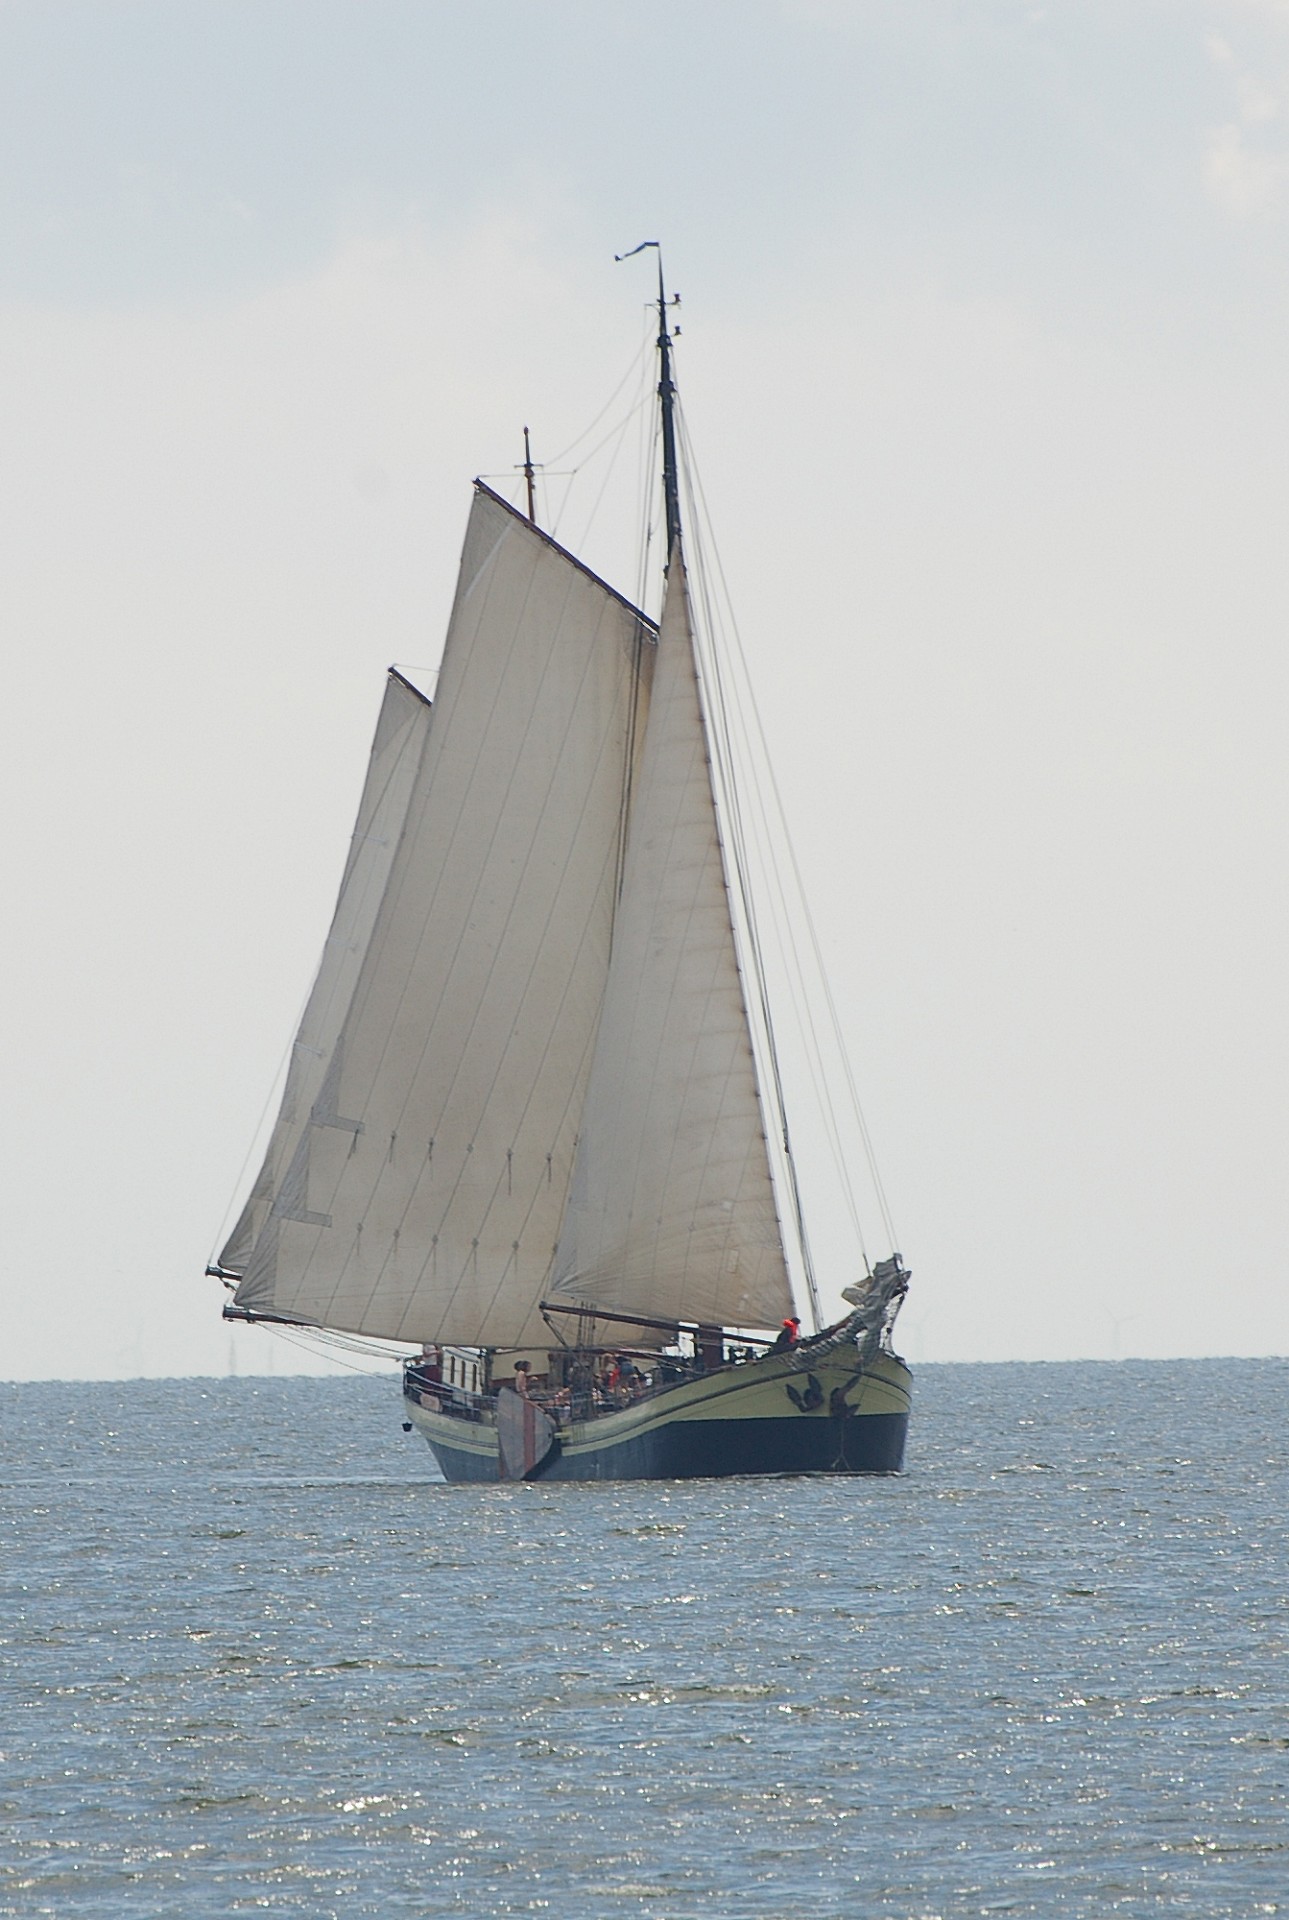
(525, 1434)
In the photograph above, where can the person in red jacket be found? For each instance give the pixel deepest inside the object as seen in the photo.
(787, 1336)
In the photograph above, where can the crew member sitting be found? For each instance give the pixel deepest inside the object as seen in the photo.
(787, 1335)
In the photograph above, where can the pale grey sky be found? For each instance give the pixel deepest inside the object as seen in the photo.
(985, 310)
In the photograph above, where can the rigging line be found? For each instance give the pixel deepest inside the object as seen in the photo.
(746, 933)
(723, 756)
(322, 1347)
(372, 1345)
(647, 490)
(861, 1123)
(628, 766)
(840, 1051)
(645, 478)
(608, 475)
(641, 363)
(800, 999)
(599, 446)
(790, 962)
(317, 1336)
(508, 475)
(790, 965)
(748, 939)
(727, 763)
(639, 353)
(641, 400)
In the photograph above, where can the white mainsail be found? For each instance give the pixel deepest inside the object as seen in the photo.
(423, 1198)
(672, 1213)
(391, 771)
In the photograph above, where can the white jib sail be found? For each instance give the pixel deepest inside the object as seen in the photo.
(672, 1211)
(424, 1199)
(391, 771)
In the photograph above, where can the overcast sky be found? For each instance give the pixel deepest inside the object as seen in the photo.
(984, 357)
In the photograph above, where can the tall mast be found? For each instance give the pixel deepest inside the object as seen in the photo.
(667, 398)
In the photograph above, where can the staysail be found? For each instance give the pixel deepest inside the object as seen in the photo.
(423, 1197)
(391, 771)
(672, 1212)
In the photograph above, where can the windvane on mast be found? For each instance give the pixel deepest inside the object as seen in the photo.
(667, 397)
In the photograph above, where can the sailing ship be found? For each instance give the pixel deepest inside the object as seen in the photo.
(527, 1115)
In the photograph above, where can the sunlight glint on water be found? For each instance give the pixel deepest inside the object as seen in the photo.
(257, 1658)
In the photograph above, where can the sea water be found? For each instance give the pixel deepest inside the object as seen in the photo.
(255, 1657)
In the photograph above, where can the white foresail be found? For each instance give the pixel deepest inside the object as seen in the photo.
(672, 1211)
(424, 1197)
(391, 771)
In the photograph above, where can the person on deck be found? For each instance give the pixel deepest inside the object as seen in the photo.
(520, 1381)
(787, 1335)
(625, 1375)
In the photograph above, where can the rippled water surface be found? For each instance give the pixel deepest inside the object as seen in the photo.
(255, 1657)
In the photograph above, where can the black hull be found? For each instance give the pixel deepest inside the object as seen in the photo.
(721, 1450)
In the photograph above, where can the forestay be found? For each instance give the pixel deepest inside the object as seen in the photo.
(672, 1211)
(424, 1196)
